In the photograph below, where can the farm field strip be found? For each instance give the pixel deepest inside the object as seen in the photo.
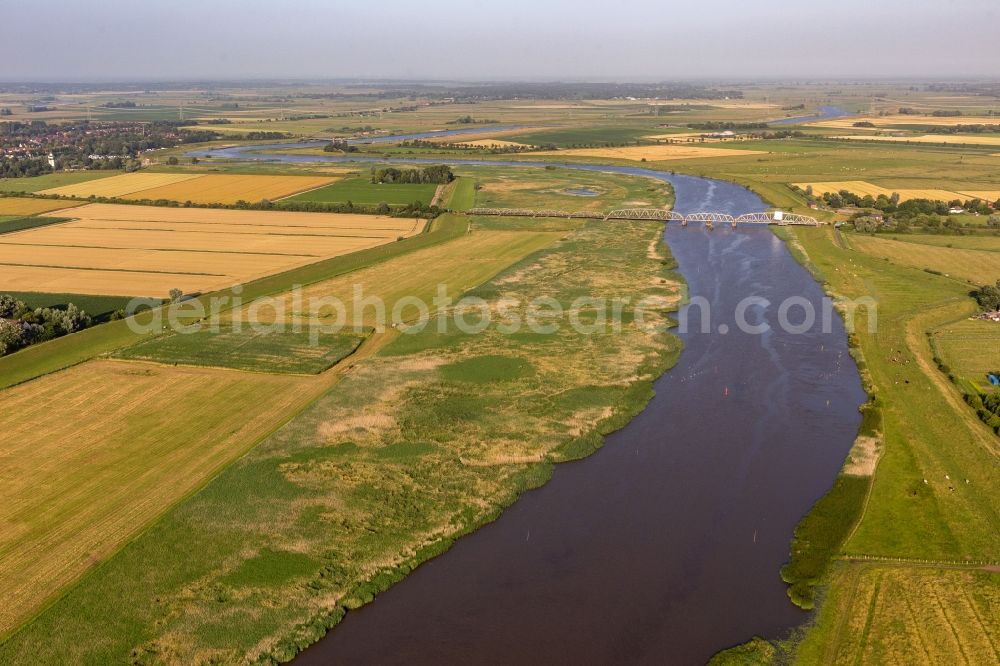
(863, 188)
(61, 512)
(25, 206)
(460, 264)
(971, 347)
(961, 139)
(278, 229)
(976, 266)
(229, 189)
(197, 188)
(117, 186)
(149, 261)
(882, 121)
(84, 256)
(898, 614)
(132, 214)
(653, 153)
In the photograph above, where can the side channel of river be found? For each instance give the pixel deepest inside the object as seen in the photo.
(665, 545)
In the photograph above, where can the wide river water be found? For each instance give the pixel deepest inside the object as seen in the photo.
(665, 545)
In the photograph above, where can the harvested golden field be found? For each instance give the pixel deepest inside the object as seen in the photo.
(147, 251)
(91, 455)
(653, 153)
(861, 188)
(883, 121)
(27, 206)
(119, 186)
(460, 265)
(963, 139)
(197, 188)
(227, 189)
(978, 266)
(985, 195)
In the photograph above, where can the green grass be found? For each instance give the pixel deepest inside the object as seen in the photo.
(277, 351)
(463, 194)
(99, 307)
(362, 191)
(986, 243)
(22, 223)
(971, 348)
(926, 436)
(58, 179)
(565, 138)
(820, 536)
(549, 188)
(486, 369)
(755, 652)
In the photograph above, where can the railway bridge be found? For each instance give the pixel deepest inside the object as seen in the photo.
(708, 218)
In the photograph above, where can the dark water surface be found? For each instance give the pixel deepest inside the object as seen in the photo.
(665, 545)
(825, 113)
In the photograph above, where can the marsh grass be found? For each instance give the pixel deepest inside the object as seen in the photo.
(380, 474)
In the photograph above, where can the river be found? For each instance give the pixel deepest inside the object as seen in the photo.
(665, 545)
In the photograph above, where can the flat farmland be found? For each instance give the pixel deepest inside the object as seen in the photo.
(460, 265)
(25, 206)
(196, 188)
(890, 121)
(861, 188)
(247, 349)
(363, 191)
(75, 489)
(230, 188)
(958, 139)
(146, 251)
(119, 186)
(976, 266)
(657, 153)
(971, 347)
(909, 615)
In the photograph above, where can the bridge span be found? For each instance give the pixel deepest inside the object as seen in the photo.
(707, 218)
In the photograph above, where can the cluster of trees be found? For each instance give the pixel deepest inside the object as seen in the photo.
(258, 136)
(6, 112)
(892, 205)
(340, 146)
(988, 297)
(439, 174)
(16, 166)
(863, 123)
(716, 126)
(987, 406)
(469, 120)
(128, 104)
(493, 150)
(21, 325)
(964, 129)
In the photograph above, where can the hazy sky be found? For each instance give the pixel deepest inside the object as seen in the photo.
(502, 39)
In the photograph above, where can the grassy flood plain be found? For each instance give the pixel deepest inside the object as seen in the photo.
(913, 518)
(411, 450)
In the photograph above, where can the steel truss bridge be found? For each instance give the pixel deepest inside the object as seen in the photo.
(708, 219)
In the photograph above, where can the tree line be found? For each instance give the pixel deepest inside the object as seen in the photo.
(437, 174)
(21, 325)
